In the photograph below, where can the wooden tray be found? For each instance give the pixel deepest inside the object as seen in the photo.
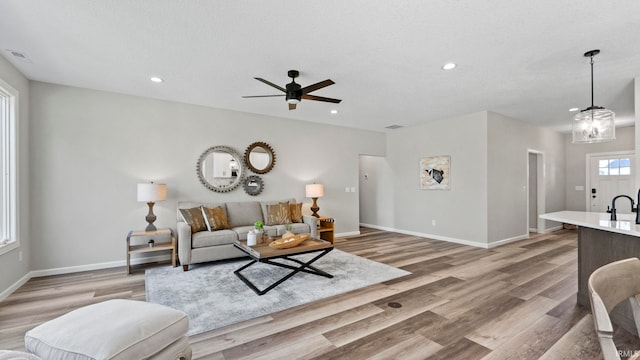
(289, 242)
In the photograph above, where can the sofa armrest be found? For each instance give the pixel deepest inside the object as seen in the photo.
(184, 243)
(312, 221)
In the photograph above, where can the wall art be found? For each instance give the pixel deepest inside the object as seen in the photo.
(435, 173)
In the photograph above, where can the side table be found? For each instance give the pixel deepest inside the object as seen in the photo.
(325, 228)
(145, 248)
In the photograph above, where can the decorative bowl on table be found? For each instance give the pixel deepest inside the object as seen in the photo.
(289, 242)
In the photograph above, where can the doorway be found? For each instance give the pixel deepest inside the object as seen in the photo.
(608, 175)
(535, 191)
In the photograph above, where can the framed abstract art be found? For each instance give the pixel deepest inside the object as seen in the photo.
(435, 173)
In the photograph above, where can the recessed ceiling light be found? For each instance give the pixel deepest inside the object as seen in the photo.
(334, 111)
(156, 79)
(574, 109)
(449, 66)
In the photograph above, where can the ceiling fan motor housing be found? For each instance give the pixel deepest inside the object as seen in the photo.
(294, 92)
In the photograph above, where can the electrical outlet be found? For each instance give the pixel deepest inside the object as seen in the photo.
(433, 222)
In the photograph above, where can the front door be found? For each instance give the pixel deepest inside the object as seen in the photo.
(611, 175)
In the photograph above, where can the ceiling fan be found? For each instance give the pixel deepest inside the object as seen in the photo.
(294, 92)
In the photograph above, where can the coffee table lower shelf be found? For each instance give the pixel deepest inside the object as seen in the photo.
(264, 254)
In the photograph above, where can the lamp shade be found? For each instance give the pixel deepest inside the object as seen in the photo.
(315, 190)
(152, 192)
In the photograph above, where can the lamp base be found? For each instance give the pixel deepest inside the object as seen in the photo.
(315, 208)
(150, 218)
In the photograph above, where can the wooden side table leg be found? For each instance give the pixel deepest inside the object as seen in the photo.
(173, 251)
(128, 253)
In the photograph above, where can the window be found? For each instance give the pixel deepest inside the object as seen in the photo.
(612, 167)
(8, 178)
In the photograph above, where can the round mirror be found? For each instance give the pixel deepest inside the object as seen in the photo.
(260, 157)
(253, 185)
(220, 169)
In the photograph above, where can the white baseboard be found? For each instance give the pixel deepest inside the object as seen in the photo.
(23, 280)
(350, 233)
(555, 228)
(99, 266)
(533, 229)
(506, 241)
(78, 268)
(430, 236)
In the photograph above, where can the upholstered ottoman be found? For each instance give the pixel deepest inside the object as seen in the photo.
(16, 355)
(114, 329)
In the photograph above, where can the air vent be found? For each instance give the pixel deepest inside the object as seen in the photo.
(393, 127)
(20, 56)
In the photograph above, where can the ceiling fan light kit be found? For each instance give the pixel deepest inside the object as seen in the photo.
(294, 92)
(594, 124)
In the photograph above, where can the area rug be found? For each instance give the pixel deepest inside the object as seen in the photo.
(213, 296)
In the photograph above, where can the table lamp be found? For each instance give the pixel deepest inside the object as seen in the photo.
(314, 191)
(150, 193)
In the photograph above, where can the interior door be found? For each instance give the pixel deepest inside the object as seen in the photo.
(611, 175)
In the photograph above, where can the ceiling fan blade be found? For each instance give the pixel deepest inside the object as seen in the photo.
(257, 96)
(316, 86)
(272, 84)
(292, 106)
(320, 98)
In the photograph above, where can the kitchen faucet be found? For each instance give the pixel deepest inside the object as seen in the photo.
(638, 212)
(633, 209)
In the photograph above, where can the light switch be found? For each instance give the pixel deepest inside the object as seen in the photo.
(353, 189)
(346, 189)
(579, 188)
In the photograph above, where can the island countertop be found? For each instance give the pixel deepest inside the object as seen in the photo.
(626, 223)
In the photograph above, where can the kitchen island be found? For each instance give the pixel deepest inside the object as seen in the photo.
(602, 241)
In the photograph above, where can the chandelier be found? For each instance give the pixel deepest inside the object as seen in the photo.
(595, 123)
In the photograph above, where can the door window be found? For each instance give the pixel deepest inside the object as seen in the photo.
(613, 167)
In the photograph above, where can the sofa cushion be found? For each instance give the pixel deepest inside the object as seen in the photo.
(296, 212)
(296, 228)
(278, 214)
(216, 218)
(214, 238)
(263, 206)
(242, 231)
(194, 218)
(114, 329)
(243, 213)
(192, 204)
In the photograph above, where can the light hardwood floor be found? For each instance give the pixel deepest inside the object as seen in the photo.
(515, 301)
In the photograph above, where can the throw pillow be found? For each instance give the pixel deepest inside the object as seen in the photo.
(215, 218)
(296, 212)
(194, 218)
(278, 214)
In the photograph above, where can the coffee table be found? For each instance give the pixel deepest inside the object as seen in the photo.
(265, 254)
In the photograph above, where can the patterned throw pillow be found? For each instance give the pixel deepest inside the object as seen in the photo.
(194, 218)
(215, 218)
(278, 214)
(296, 212)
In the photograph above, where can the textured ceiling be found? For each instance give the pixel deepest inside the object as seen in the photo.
(519, 58)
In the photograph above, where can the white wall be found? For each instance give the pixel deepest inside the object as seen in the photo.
(91, 148)
(12, 269)
(460, 213)
(508, 143)
(577, 163)
(376, 191)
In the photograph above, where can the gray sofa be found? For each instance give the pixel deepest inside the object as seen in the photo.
(206, 246)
